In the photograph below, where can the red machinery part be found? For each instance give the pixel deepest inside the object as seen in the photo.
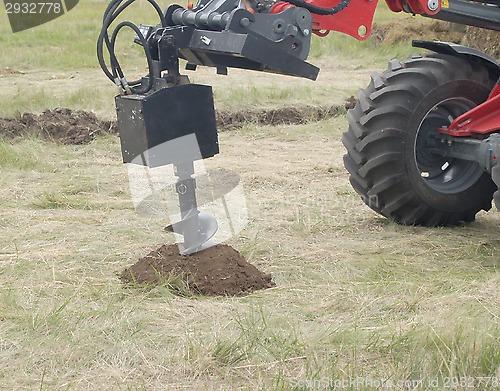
(357, 18)
(482, 119)
(421, 7)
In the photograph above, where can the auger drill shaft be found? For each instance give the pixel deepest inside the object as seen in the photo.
(196, 227)
(186, 191)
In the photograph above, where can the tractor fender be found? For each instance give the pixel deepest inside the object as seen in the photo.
(465, 52)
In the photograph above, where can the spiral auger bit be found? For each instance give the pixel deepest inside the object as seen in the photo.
(197, 227)
(167, 120)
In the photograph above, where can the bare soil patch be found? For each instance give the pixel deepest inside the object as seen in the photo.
(227, 120)
(485, 40)
(415, 28)
(397, 31)
(10, 71)
(62, 125)
(67, 126)
(217, 271)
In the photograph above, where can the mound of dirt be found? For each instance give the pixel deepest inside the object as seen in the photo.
(62, 125)
(217, 271)
(485, 40)
(415, 28)
(227, 120)
(410, 28)
(10, 71)
(68, 126)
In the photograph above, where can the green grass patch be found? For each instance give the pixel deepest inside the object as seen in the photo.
(27, 155)
(25, 99)
(69, 42)
(340, 46)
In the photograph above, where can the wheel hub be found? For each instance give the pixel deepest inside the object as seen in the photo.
(443, 174)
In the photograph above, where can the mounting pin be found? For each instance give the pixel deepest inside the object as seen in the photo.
(432, 5)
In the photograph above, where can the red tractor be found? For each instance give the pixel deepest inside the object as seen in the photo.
(423, 141)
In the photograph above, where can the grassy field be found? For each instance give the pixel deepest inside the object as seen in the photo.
(359, 304)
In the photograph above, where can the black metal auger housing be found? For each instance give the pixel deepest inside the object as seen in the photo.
(174, 125)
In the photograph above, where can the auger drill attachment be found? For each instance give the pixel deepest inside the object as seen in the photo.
(163, 119)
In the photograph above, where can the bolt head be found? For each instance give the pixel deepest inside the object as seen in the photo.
(432, 5)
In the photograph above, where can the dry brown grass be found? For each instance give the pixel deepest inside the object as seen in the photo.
(356, 295)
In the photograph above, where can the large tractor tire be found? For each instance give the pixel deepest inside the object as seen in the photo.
(388, 158)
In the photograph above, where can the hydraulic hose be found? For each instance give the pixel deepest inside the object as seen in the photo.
(114, 72)
(314, 9)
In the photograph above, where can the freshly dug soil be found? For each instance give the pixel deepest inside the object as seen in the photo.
(227, 120)
(217, 271)
(61, 125)
(414, 28)
(485, 40)
(68, 126)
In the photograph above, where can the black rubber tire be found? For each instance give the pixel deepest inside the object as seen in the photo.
(385, 142)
